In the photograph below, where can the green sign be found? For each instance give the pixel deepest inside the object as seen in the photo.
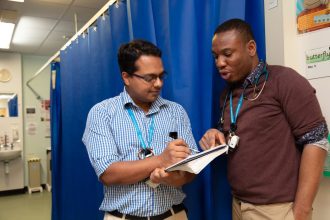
(318, 56)
(326, 171)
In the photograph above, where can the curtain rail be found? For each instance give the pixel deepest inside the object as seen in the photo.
(57, 54)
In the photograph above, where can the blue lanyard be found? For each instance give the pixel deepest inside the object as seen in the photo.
(233, 118)
(138, 131)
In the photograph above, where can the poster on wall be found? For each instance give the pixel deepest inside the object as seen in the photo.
(45, 110)
(318, 62)
(312, 15)
(31, 128)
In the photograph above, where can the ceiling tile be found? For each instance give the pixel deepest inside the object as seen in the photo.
(36, 9)
(30, 36)
(90, 4)
(36, 23)
(42, 23)
(66, 26)
(49, 48)
(57, 36)
(65, 2)
(24, 48)
(83, 14)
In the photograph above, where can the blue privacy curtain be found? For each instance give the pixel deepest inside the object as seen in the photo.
(55, 126)
(183, 29)
(13, 107)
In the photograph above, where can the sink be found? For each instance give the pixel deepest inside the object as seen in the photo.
(9, 154)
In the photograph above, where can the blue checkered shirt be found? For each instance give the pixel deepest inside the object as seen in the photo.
(110, 136)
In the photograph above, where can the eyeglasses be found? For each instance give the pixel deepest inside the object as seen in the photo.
(151, 78)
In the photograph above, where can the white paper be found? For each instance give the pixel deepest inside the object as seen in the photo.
(197, 162)
(317, 62)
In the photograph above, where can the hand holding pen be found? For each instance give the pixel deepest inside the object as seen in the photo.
(174, 135)
(176, 150)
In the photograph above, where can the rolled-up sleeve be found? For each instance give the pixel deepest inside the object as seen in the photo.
(316, 137)
(302, 110)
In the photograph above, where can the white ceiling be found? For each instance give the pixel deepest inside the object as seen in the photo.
(44, 26)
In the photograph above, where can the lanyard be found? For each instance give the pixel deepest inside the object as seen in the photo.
(138, 131)
(233, 118)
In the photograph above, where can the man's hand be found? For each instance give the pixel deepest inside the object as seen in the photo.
(310, 173)
(300, 214)
(175, 151)
(160, 176)
(173, 178)
(211, 138)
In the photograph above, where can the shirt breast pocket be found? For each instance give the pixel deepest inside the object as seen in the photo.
(127, 143)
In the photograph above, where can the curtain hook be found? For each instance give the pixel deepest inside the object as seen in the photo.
(117, 3)
(85, 33)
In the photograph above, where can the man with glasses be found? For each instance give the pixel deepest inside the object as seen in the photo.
(128, 141)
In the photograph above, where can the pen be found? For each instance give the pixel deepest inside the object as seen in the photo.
(174, 135)
(194, 150)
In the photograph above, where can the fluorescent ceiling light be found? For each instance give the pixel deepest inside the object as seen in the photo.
(7, 96)
(6, 30)
(16, 0)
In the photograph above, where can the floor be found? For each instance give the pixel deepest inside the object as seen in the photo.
(35, 206)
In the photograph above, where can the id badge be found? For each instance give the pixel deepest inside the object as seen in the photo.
(233, 142)
(145, 153)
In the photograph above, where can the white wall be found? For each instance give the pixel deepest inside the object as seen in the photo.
(14, 179)
(285, 47)
(273, 28)
(36, 144)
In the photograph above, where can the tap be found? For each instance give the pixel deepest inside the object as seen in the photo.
(1, 142)
(6, 141)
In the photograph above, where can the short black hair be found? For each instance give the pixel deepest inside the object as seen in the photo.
(130, 52)
(239, 25)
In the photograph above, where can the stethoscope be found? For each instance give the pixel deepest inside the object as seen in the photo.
(234, 114)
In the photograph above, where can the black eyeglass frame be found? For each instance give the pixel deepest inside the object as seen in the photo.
(151, 78)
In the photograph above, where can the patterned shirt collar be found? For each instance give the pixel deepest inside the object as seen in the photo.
(128, 101)
(255, 74)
